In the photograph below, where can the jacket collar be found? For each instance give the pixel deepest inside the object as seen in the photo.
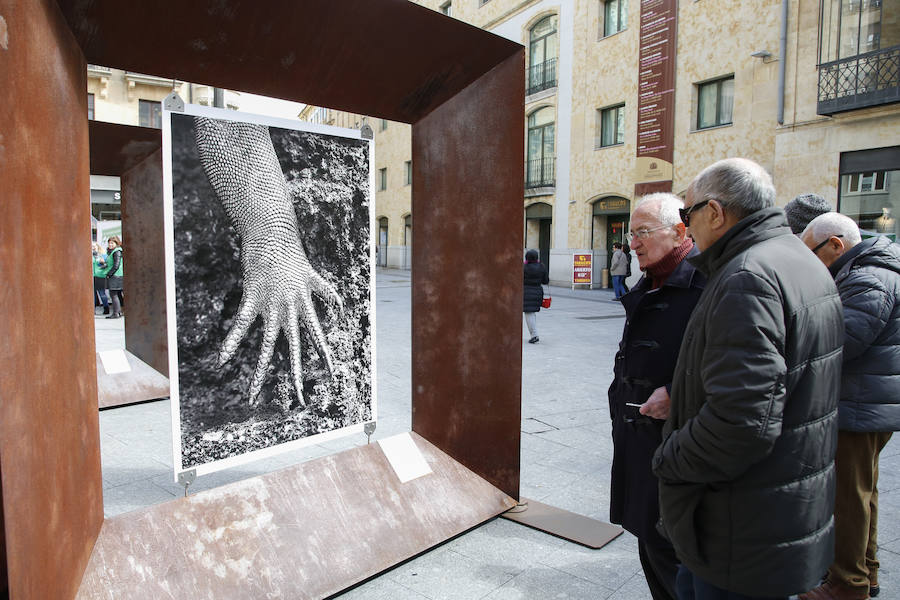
(682, 277)
(850, 255)
(878, 251)
(759, 226)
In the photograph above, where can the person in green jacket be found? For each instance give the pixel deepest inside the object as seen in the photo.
(100, 268)
(114, 275)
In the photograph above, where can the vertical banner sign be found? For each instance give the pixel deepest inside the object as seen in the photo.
(656, 97)
(581, 269)
(269, 284)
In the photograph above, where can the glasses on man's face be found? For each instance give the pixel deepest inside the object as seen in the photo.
(685, 213)
(828, 239)
(643, 233)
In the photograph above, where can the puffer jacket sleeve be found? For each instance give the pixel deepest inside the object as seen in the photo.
(867, 309)
(743, 369)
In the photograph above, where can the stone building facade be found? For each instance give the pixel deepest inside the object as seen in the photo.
(807, 88)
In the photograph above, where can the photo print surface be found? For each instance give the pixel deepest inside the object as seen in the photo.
(270, 259)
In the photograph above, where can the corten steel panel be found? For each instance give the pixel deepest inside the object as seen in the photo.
(49, 433)
(467, 274)
(315, 51)
(145, 263)
(305, 532)
(116, 148)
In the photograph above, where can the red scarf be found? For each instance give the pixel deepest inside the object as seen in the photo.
(659, 271)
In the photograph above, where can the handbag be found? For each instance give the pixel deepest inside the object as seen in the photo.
(545, 303)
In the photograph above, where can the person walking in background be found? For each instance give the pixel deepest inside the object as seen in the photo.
(618, 268)
(746, 464)
(533, 296)
(657, 311)
(803, 209)
(99, 267)
(867, 275)
(114, 275)
(627, 250)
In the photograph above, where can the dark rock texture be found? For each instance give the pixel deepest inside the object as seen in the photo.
(329, 181)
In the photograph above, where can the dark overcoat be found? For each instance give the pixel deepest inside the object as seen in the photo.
(535, 275)
(746, 466)
(654, 326)
(868, 279)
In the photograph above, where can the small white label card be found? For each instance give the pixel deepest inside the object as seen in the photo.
(405, 457)
(114, 361)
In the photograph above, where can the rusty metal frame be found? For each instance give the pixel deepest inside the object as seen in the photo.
(461, 88)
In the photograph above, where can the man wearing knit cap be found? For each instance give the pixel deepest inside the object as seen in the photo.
(658, 308)
(803, 209)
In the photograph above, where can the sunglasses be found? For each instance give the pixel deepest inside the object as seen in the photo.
(685, 213)
(828, 239)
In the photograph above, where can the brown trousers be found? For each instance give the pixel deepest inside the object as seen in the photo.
(856, 508)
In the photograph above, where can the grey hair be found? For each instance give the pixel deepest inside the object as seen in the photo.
(665, 207)
(831, 223)
(740, 185)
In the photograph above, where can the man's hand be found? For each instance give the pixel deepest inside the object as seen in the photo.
(657, 405)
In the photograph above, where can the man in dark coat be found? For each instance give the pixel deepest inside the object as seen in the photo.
(746, 466)
(867, 274)
(657, 311)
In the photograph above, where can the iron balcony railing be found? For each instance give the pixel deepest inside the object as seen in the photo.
(864, 80)
(541, 77)
(540, 172)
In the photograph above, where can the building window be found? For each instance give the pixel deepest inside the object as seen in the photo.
(610, 126)
(857, 55)
(851, 27)
(543, 49)
(541, 169)
(408, 175)
(383, 124)
(382, 179)
(715, 101)
(447, 9)
(91, 107)
(615, 16)
(858, 183)
(150, 114)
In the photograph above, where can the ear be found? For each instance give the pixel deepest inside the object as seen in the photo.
(837, 245)
(718, 218)
(680, 232)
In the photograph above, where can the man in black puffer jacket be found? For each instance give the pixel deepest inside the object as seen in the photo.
(867, 274)
(746, 466)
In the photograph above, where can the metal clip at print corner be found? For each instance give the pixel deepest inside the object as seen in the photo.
(405, 457)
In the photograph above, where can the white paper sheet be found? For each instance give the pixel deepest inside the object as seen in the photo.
(114, 361)
(405, 457)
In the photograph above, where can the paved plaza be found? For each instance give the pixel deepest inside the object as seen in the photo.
(566, 457)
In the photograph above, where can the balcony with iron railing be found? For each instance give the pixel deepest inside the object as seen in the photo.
(540, 77)
(861, 81)
(540, 172)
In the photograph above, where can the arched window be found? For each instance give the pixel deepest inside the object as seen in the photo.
(541, 169)
(543, 50)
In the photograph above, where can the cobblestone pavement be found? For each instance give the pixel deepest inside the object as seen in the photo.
(566, 455)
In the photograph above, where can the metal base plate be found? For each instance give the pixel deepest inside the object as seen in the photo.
(562, 523)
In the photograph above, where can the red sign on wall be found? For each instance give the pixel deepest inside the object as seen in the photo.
(581, 269)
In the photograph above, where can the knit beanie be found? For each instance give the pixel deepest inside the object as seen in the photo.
(803, 209)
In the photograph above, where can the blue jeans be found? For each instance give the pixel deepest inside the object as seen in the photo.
(619, 285)
(691, 587)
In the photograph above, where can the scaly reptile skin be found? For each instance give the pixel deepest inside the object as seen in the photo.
(242, 168)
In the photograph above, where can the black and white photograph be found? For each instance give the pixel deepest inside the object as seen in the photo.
(271, 255)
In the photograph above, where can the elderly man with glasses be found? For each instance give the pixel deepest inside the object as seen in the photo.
(867, 275)
(746, 466)
(658, 309)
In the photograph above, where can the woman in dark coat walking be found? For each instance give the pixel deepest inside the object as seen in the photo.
(535, 275)
(114, 275)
